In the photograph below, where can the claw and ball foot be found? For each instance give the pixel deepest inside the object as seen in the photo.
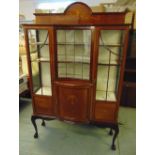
(43, 123)
(113, 147)
(36, 135)
(116, 129)
(111, 132)
(33, 120)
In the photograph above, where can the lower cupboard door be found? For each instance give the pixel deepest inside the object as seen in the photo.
(73, 103)
(105, 112)
(43, 105)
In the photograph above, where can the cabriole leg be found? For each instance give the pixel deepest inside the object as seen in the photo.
(33, 120)
(116, 129)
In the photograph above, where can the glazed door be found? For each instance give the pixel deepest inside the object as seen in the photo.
(38, 47)
(73, 78)
(112, 45)
(73, 54)
(110, 62)
(39, 53)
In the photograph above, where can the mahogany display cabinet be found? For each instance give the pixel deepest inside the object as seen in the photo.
(76, 64)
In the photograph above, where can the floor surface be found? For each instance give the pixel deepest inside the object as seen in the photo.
(60, 138)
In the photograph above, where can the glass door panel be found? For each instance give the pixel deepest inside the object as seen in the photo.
(73, 53)
(104, 54)
(40, 61)
(111, 44)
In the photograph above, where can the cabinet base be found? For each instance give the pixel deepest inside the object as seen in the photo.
(112, 127)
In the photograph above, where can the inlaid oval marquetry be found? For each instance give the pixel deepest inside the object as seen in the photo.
(72, 99)
(73, 102)
(78, 8)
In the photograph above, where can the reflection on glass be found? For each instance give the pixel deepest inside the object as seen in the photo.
(38, 43)
(104, 55)
(73, 53)
(40, 61)
(35, 76)
(111, 37)
(109, 61)
(111, 41)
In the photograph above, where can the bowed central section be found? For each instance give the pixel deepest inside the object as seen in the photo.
(73, 101)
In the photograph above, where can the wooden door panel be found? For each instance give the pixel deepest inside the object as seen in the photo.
(44, 105)
(73, 103)
(105, 112)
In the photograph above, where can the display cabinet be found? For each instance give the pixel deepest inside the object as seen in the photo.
(76, 65)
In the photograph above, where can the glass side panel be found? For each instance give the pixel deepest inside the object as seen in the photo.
(40, 61)
(111, 44)
(35, 75)
(104, 54)
(73, 53)
(102, 79)
(111, 37)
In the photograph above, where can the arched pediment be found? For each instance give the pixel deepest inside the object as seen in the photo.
(78, 8)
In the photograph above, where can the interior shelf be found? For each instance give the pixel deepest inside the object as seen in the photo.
(112, 45)
(83, 44)
(106, 62)
(72, 62)
(82, 62)
(38, 43)
(44, 91)
(41, 60)
(86, 60)
(72, 43)
(101, 95)
(75, 76)
(73, 59)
